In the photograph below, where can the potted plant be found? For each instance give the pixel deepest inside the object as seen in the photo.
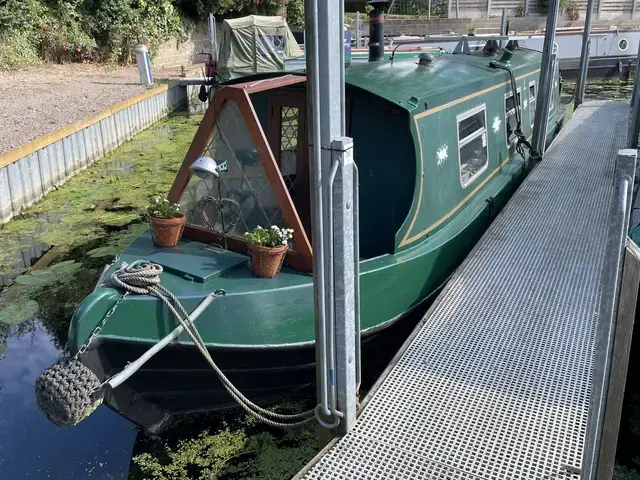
(166, 221)
(267, 248)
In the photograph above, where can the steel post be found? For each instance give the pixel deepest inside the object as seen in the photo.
(358, 31)
(526, 8)
(144, 65)
(634, 113)
(332, 232)
(584, 55)
(503, 24)
(344, 283)
(545, 83)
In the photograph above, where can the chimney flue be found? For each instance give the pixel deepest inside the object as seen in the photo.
(376, 30)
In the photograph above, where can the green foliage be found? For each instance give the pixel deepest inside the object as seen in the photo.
(163, 208)
(60, 272)
(295, 13)
(272, 237)
(564, 4)
(84, 30)
(17, 50)
(119, 25)
(206, 454)
(16, 313)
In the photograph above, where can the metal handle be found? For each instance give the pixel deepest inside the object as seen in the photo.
(133, 367)
(356, 270)
(331, 354)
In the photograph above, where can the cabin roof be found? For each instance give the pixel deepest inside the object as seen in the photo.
(405, 83)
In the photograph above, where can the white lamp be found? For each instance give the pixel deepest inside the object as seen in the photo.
(205, 168)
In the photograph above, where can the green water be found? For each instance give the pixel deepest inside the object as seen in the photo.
(88, 220)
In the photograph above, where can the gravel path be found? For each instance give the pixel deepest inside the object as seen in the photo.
(39, 100)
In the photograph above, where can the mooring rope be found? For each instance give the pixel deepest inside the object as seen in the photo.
(144, 279)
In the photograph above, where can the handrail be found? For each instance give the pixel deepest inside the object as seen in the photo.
(634, 112)
(620, 211)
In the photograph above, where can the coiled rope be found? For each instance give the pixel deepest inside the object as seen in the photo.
(144, 279)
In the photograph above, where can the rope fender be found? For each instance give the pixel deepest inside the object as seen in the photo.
(68, 392)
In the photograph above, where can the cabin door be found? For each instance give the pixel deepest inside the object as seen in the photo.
(287, 134)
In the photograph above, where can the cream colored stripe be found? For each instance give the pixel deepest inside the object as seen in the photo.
(407, 240)
(470, 96)
(456, 208)
(46, 140)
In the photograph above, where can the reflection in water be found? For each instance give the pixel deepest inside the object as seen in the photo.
(31, 447)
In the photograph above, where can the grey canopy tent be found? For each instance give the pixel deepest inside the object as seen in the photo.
(255, 44)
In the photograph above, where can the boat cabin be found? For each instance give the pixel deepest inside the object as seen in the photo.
(429, 136)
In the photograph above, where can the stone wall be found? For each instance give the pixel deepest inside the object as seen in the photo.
(175, 53)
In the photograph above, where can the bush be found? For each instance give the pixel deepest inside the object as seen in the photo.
(119, 25)
(62, 37)
(17, 50)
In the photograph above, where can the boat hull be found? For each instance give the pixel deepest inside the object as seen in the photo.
(179, 381)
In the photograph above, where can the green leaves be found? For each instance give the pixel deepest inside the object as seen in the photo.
(99, 252)
(16, 313)
(36, 278)
(59, 272)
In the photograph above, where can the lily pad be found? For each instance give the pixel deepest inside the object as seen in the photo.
(16, 313)
(66, 268)
(75, 218)
(37, 278)
(104, 251)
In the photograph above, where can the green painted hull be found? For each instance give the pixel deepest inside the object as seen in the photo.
(262, 330)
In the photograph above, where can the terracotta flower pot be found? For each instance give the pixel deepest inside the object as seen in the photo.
(266, 261)
(166, 232)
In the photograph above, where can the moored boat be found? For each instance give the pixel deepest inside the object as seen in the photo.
(436, 145)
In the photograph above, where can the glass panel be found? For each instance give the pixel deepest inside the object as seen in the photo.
(470, 125)
(289, 146)
(473, 158)
(271, 45)
(241, 198)
(532, 103)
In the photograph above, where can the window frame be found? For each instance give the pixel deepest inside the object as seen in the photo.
(553, 89)
(469, 138)
(504, 109)
(532, 111)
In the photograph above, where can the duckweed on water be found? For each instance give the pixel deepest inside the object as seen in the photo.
(132, 174)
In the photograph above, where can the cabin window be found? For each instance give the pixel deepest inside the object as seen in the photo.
(532, 102)
(472, 144)
(510, 120)
(241, 197)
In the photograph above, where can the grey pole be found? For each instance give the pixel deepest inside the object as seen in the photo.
(334, 241)
(503, 24)
(634, 114)
(545, 83)
(212, 37)
(583, 70)
(358, 31)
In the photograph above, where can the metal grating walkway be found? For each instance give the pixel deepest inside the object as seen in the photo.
(496, 383)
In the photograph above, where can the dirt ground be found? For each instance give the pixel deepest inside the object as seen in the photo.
(38, 100)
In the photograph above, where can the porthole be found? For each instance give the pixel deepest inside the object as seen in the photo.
(555, 48)
(623, 44)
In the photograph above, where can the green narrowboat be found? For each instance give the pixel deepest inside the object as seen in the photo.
(435, 144)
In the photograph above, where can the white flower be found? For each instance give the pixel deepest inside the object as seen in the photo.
(165, 200)
(157, 199)
(284, 242)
